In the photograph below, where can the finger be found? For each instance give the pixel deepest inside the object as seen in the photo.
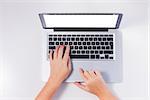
(92, 74)
(98, 73)
(87, 74)
(82, 74)
(50, 55)
(60, 51)
(66, 54)
(81, 86)
(69, 64)
(56, 52)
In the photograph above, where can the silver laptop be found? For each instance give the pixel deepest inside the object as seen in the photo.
(94, 40)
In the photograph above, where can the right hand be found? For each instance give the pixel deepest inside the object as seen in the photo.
(94, 83)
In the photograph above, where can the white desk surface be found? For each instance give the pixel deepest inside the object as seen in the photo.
(20, 49)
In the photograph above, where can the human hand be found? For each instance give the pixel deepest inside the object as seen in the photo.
(60, 64)
(94, 83)
(60, 69)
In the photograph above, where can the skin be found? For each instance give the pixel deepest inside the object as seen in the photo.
(93, 81)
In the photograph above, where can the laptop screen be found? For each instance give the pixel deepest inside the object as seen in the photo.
(80, 20)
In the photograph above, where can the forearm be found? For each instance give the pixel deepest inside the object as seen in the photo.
(49, 90)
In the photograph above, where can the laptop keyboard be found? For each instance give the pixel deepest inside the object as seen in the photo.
(97, 46)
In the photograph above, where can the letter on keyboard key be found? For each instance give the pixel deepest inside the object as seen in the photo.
(79, 56)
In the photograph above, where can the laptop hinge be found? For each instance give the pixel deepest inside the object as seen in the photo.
(80, 29)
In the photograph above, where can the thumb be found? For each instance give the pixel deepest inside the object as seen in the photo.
(81, 86)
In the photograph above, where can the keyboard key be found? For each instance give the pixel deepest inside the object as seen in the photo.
(83, 52)
(59, 39)
(63, 39)
(98, 47)
(75, 43)
(57, 43)
(79, 43)
(84, 43)
(87, 52)
(102, 57)
(94, 47)
(99, 39)
(108, 52)
(86, 39)
(110, 35)
(50, 35)
(89, 47)
(81, 39)
(80, 47)
(111, 46)
(111, 43)
(76, 47)
(51, 47)
(51, 43)
(106, 56)
(80, 56)
(66, 43)
(90, 39)
(88, 43)
(55, 39)
(95, 39)
(59, 35)
(97, 56)
(73, 51)
(70, 43)
(110, 39)
(78, 52)
(107, 47)
(97, 43)
(92, 52)
(87, 35)
(85, 47)
(92, 56)
(50, 39)
(92, 35)
(96, 35)
(106, 43)
(103, 47)
(102, 43)
(61, 43)
(104, 39)
(68, 39)
(111, 57)
(96, 52)
(93, 43)
(101, 52)
(72, 39)
(77, 39)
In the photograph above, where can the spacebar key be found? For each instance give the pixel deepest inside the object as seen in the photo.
(79, 56)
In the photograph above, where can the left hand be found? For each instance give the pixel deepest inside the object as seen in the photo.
(60, 65)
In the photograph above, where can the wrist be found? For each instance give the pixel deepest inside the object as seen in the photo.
(56, 82)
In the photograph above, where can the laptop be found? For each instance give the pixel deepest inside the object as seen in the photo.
(94, 38)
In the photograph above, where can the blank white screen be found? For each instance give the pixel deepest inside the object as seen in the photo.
(104, 21)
